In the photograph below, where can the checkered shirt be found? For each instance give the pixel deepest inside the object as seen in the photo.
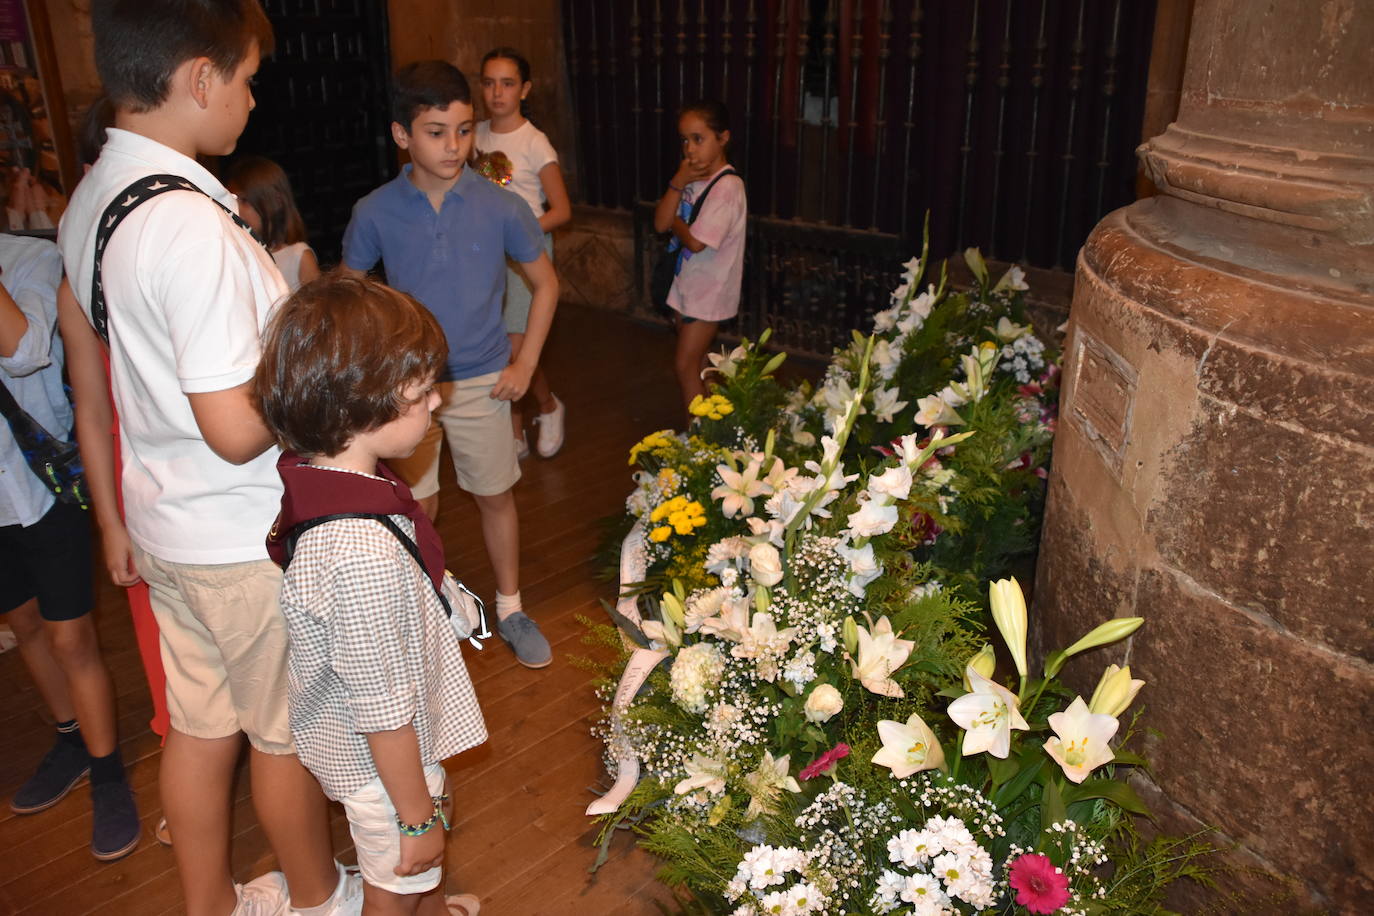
(371, 650)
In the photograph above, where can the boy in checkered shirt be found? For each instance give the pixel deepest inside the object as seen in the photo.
(378, 693)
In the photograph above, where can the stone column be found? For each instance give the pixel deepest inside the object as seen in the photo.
(1214, 469)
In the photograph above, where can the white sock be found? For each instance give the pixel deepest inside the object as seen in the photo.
(507, 605)
(328, 907)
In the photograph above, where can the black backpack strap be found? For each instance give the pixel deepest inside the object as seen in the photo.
(696, 204)
(124, 203)
(411, 547)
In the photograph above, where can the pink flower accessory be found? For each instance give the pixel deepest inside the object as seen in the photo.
(825, 762)
(1040, 886)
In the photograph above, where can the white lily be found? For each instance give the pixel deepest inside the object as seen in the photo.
(1014, 278)
(987, 715)
(886, 405)
(1115, 691)
(762, 638)
(876, 516)
(727, 364)
(703, 773)
(732, 622)
(1009, 613)
(1081, 740)
(908, 747)
(1008, 330)
(880, 653)
(934, 411)
(665, 633)
(767, 782)
(738, 489)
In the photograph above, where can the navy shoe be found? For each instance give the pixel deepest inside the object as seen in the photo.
(523, 636)
(115, 828)
(61, 769)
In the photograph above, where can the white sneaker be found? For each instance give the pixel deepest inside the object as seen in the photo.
(550, 430)
(522, 446)
(347, 899)
(265, 895)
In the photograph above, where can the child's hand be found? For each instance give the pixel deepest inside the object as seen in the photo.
(512, 383)
(421, 853)
(687, 172)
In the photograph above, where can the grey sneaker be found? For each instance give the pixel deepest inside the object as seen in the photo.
(523, 636)
(59, 772)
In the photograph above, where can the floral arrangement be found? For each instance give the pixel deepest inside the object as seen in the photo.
(810, 719)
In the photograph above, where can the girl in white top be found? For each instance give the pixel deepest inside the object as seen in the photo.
(266, 204)
(710, 265)
(530, 169)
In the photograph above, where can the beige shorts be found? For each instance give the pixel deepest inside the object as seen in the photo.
(223, 647)
(477, 427)
(372, 821)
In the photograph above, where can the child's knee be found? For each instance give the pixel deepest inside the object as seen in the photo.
(74, 642)
(24, 621)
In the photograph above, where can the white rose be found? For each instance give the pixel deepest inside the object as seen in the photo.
(765, 564)
(823, 703)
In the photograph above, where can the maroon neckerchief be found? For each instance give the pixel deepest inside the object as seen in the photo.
(310, 492)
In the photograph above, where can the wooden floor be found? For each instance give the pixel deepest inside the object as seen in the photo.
(522, 842)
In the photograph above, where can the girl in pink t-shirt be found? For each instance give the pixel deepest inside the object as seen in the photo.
(710, 267)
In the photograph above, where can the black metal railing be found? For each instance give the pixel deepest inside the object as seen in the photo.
(1014, 122)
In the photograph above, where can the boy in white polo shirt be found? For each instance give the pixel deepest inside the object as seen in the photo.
(186, 291)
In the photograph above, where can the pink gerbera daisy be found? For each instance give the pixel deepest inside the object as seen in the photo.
(1040, 886)
(824, 762)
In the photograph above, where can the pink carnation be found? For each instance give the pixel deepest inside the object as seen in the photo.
(1040, 887)
(824, 762)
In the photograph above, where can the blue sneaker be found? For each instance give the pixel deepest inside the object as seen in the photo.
(59, 772)
(523, 636)
(114, 828)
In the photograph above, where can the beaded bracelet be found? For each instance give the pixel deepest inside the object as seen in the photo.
(438, 817)
(676, 188)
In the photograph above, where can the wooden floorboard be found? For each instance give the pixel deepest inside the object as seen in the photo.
(521, 840)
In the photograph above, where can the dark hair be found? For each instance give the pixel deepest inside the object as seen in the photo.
(335, 358)
(139, 44)
(426, 84)
(508, 53)
(90, 137)
(262, 183)
(715, 114)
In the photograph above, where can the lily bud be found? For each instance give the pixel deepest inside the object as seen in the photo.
(1103, 634)
(673, 610)
(772, 365)
(768, 445)
(850, 633)
(984, 661)
(763, 338)
(1115, 691)
(671, 634)
(974, 259)
(1009, 613)
(761, 600)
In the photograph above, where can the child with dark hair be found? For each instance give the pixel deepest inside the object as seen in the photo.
(443, 234)
(184, 292)
(267, 204)
(710, 266)
(379, 693)
(528, 165)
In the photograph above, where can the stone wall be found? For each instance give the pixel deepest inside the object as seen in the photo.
(1214, 462)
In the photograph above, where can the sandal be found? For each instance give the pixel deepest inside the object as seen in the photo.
(463, 905)
(162, 834)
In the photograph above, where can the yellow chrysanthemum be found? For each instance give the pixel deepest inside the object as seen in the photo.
(660, 533)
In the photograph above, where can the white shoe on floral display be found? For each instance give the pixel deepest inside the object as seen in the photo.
(550, 430)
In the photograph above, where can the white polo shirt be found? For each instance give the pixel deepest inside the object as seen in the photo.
(188, 293)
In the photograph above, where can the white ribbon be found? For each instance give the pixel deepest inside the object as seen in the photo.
(634, 561)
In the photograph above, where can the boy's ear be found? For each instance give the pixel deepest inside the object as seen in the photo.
(198, 74)
(400, 135)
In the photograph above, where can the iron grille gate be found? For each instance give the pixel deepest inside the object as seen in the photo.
(1014, 122)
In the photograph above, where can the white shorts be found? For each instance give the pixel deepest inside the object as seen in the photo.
(372, 821)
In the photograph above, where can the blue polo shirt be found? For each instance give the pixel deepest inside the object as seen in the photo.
(452, 261)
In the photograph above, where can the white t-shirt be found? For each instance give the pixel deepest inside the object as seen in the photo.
(529, 150)
(707, 285)
(288, 258)
(188, 293)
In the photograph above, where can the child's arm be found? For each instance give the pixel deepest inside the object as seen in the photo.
(556, 192)
(396, 755)
(310, 266)
(230, 424)
(514, 380)
(665, 214)
(95, 432)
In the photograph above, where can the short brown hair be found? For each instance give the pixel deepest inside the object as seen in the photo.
(335, 358)
(139, 44)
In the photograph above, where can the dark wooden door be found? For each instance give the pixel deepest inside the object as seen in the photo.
(322, 109)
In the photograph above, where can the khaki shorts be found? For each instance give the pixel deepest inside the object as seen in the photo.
(372, 822)
(223, 647)
(477, 427)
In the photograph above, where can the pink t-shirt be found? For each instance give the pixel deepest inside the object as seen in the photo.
(707, 286)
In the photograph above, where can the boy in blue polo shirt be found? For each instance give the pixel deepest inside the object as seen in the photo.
(443, 234)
